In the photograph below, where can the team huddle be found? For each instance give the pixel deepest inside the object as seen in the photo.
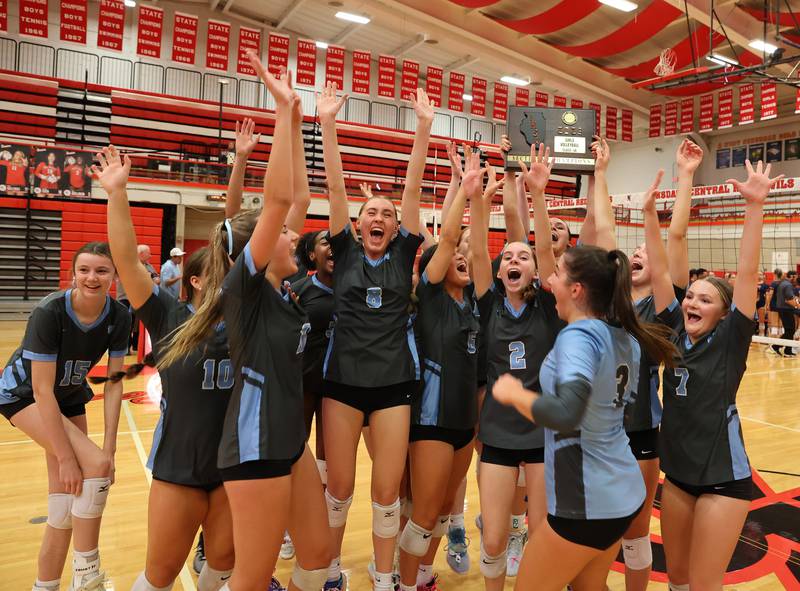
(547, 360)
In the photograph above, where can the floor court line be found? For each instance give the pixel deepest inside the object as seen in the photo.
(186, 579)
(771, 424)
(90, 435)
(765, 373)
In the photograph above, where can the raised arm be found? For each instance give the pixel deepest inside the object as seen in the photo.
(113, 177)
(302, 193)
(663, 292)
(278, 185)
(523, 206)
(603, 214)
(688, 158)
(409, 206)
(479, 241)
(754, 192)
(588, 234)
(327, 108)
(515, 231)
(245, 144)
(456, 172)
(427, 238)
(536, 179)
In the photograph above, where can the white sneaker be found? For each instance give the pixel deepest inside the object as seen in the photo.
(516, 544)
(287, 548)
(89, 582)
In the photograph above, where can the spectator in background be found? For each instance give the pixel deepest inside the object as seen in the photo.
(761, 305)
(702, 273)
(692, 276)
(144, 257)
(785, 305)
(171, 273)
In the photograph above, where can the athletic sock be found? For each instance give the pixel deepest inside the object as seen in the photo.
(383, 582)
(424, 574)
(518, 523)
(84, 566)
(142, 584)
(457, 520)
(46, 585)
(211, 579)
(408, 587)
(335, 569)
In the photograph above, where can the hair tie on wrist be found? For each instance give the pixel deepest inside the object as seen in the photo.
(229, 230)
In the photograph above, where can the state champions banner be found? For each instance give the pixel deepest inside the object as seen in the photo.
(306, 62)
(334, 66)
(3, 16)
(725, 106)
(671, 118)
(387, 70)
(541, 99)
(596, 107)
(409, 79)
(277, 53)
(249, 40)
(111, 24)
(33, 18)
(611, 123)
(706, 112)
(433, 85)
(218, 41)
(148, 37)
(455, 94)
(500, 107)
(627, 125)
(576, 104)
(184, 37)
(73, 21)
(478, 107)
(560, 102)
(687, 115)
(747, 110)
(522, 97)
(655, 121)
(360, 83)
(769, 101)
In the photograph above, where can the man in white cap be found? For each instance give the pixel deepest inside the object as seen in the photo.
(171, 272)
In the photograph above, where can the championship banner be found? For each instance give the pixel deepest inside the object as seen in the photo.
(249, 40)
(14, 170)
(575, 104)
(334, 66)
(797, 102)
(540, 99)
(627, 125)
(184, 38)
(409, 79)
(277, 53)
(706, 112)
(76, 181)
(386, 74)
(560, 102)
(725, 106)
(33, 18)
(3, 15)
(671, 118)
(433, 85)
(655, 121)
(522, 97)
(747, 110)
(500, 109)
(47, 172)
(148, 39)
(73, 21)
(687, 115)
(111, 24)
(218, 40)
(361, 72)
(596, 107)
(306, 62)
(455, 96)
(769, 101)
(478, 107)
(611, 123)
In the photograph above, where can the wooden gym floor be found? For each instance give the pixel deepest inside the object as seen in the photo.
(768, 556)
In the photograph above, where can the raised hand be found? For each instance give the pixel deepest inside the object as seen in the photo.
(245, 140)
(506, 388)
(541, 164)
(455, 160)
(688, 156)
(756, 188)
(505, 145)
(602, 154)
(492, 182)
(471, 182)
(649, 203)
(328, 106)
(422, 105)
(279, 88)
(366, 190)
(113, 170)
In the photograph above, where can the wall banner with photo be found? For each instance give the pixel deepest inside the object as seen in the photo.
(76, 180)
(14, 170)
(48, 166)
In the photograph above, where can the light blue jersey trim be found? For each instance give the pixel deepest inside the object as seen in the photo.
(329, 350)
(404, 231)
(248, 260)
(78, 323)
(376, 262)
(673, 304)
(21, 369)
(511, 310)
(249, 420)
(424, 277)
(412, 346)
(31, 356)
(157, 434)
(117, 354)
(431, 394)
(321, 285)
(739, 461)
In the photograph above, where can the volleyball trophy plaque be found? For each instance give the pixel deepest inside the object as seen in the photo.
(567, 132)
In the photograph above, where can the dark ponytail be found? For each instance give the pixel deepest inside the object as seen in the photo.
(606, 278)
(129, 373)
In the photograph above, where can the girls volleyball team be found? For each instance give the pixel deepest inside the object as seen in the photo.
(551, 355)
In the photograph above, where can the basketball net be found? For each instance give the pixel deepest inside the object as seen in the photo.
(666, 63)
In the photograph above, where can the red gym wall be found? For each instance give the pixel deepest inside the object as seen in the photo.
(86, 222)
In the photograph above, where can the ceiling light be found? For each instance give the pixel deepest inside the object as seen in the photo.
(321, 44)
(353, 18)
(515, 81)
(760, 45)
(622, 5)
(130, 3)
(466, 97)
(721, 59)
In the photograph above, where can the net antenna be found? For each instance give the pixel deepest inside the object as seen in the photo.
(666, 63)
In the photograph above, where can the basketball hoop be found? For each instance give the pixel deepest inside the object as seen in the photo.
(666, 63)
